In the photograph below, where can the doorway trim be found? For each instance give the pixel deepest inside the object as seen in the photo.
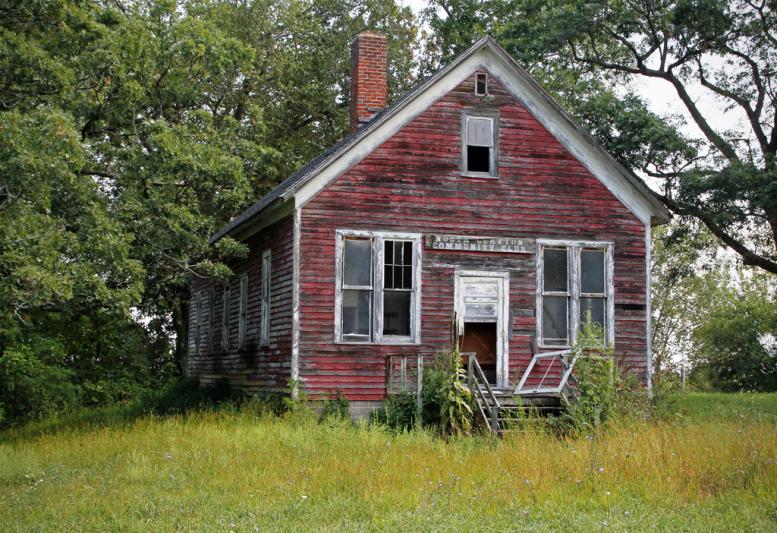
(502, 319)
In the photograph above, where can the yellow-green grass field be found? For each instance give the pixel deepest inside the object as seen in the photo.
(712, 467)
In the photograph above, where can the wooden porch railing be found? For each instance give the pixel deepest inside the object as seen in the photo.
(484, 394)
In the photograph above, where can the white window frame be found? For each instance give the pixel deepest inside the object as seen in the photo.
(378, 239)
(573, 287)
(493, 164)
(225, 305)
(242, 325)
(477, 77)
(264, 336)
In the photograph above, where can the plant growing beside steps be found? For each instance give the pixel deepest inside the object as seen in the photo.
(589, 393)
(603, 393)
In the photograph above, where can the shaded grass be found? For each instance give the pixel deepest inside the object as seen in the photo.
(235, 470)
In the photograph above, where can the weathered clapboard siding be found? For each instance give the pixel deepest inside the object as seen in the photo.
(413, 183)
(255, 368)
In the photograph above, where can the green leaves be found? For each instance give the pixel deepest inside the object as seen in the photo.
(736, 340)
(56, 238)
(131, 131)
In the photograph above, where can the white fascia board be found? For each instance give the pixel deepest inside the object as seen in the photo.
(526, 91)
(522, 87)
(388, 127)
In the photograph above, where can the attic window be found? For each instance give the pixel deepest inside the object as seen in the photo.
(479, 147)
(481, 85)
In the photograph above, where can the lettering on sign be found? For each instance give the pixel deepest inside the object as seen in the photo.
(480, 244)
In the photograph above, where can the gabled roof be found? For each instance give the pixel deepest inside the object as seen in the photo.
(486, 53)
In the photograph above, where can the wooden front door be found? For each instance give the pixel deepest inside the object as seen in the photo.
(481, 314)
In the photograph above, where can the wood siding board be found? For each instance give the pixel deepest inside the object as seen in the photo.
(255, 368)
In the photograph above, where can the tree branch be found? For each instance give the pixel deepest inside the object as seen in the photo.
(749, 257)
(726, 149)
(96, 172)
(752, 116)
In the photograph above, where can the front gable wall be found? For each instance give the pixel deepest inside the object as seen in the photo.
(413, 183)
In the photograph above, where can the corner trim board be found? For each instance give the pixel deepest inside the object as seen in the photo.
(295, 299)
(648, 310)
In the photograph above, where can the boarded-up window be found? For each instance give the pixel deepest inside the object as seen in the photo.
(243, 315)
(576, 284)
(266, 277)
(225, 306)
(479, 135)
(378, 287)
(198, 303)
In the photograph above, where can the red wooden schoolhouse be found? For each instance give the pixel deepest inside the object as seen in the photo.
(473, 207)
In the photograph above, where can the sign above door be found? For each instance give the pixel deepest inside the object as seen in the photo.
(480, 244)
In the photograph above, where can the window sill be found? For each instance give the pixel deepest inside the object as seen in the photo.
(557, 347)
(385, 342)
(480, 175)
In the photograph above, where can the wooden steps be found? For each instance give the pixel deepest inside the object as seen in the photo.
(501, 408)
(516, 412)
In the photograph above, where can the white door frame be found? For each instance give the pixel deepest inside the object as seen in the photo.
(502, 320)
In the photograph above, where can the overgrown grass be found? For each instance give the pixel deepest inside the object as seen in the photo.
(236, 470)
(701, 406)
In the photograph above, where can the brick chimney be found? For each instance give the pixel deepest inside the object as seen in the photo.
(368, 77)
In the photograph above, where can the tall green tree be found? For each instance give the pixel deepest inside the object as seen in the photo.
(726, 177)
(129, 133)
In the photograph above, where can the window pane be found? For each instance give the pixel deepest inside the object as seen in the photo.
(594, 306)
(592, 271)
(356, 312)
(407, 278)
(478, 159)
(398, 271)
(357, 262)
(554, 317)
(396, 313)
(555, 270)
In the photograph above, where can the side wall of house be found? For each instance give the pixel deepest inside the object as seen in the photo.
(255, 367)
(413, 183)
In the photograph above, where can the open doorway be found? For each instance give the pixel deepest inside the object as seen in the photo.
(481, 304)
(480, 338)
